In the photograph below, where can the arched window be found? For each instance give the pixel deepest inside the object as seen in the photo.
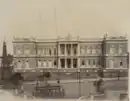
(55, 64)
(120, 49)
(19, 51)
(82, 50)
(19, 64)
(82, 62)
(39, 63)
(39, 51)
(93, 50)
(44, 63)
(111, 63)
(27, 64)
(112, 49)
(26, 51)
(121, 63)
(89, 50)
(50, 64)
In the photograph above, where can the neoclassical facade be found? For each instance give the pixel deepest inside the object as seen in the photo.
(70, 53)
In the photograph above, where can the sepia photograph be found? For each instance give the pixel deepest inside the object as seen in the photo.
(64, 50)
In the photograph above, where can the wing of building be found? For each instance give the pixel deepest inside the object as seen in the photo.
(70, 53)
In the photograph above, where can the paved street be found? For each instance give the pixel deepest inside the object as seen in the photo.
(86, 87)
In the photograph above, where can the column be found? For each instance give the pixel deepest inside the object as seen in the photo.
(57, 55)
(78, 49)
(78, 64)
(65, 49)
(71, 63)
(71, 49)
(52, 51)
(65, 63)
(58, 48)
(78, 53)
(58, 62)
(46, 51)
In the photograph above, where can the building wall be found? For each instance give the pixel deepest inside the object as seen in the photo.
(74, 54)
(116, 53)
(90, 53)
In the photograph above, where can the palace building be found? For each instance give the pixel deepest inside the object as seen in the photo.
(70, 53)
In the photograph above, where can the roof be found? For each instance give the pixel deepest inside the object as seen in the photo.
(67, 38)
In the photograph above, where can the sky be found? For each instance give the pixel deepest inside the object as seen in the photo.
(41, 18)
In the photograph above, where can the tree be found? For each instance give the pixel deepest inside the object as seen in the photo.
(100, 73)
(47, 74)
(16, 79)
(99, 82)
(9, 59)
(6, 70)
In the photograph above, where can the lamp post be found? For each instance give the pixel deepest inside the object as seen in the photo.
(58, 81)
(79, 81)
(37, 83)
(36, 69)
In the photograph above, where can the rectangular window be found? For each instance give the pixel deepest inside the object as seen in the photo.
(93, 62)
(69, 63)
(75, 49)
(75, 63)
(55, 63)
(50, 52)
(83, 62)
(62, 63)
(68, 48)
(121, 63)
(62, 49)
